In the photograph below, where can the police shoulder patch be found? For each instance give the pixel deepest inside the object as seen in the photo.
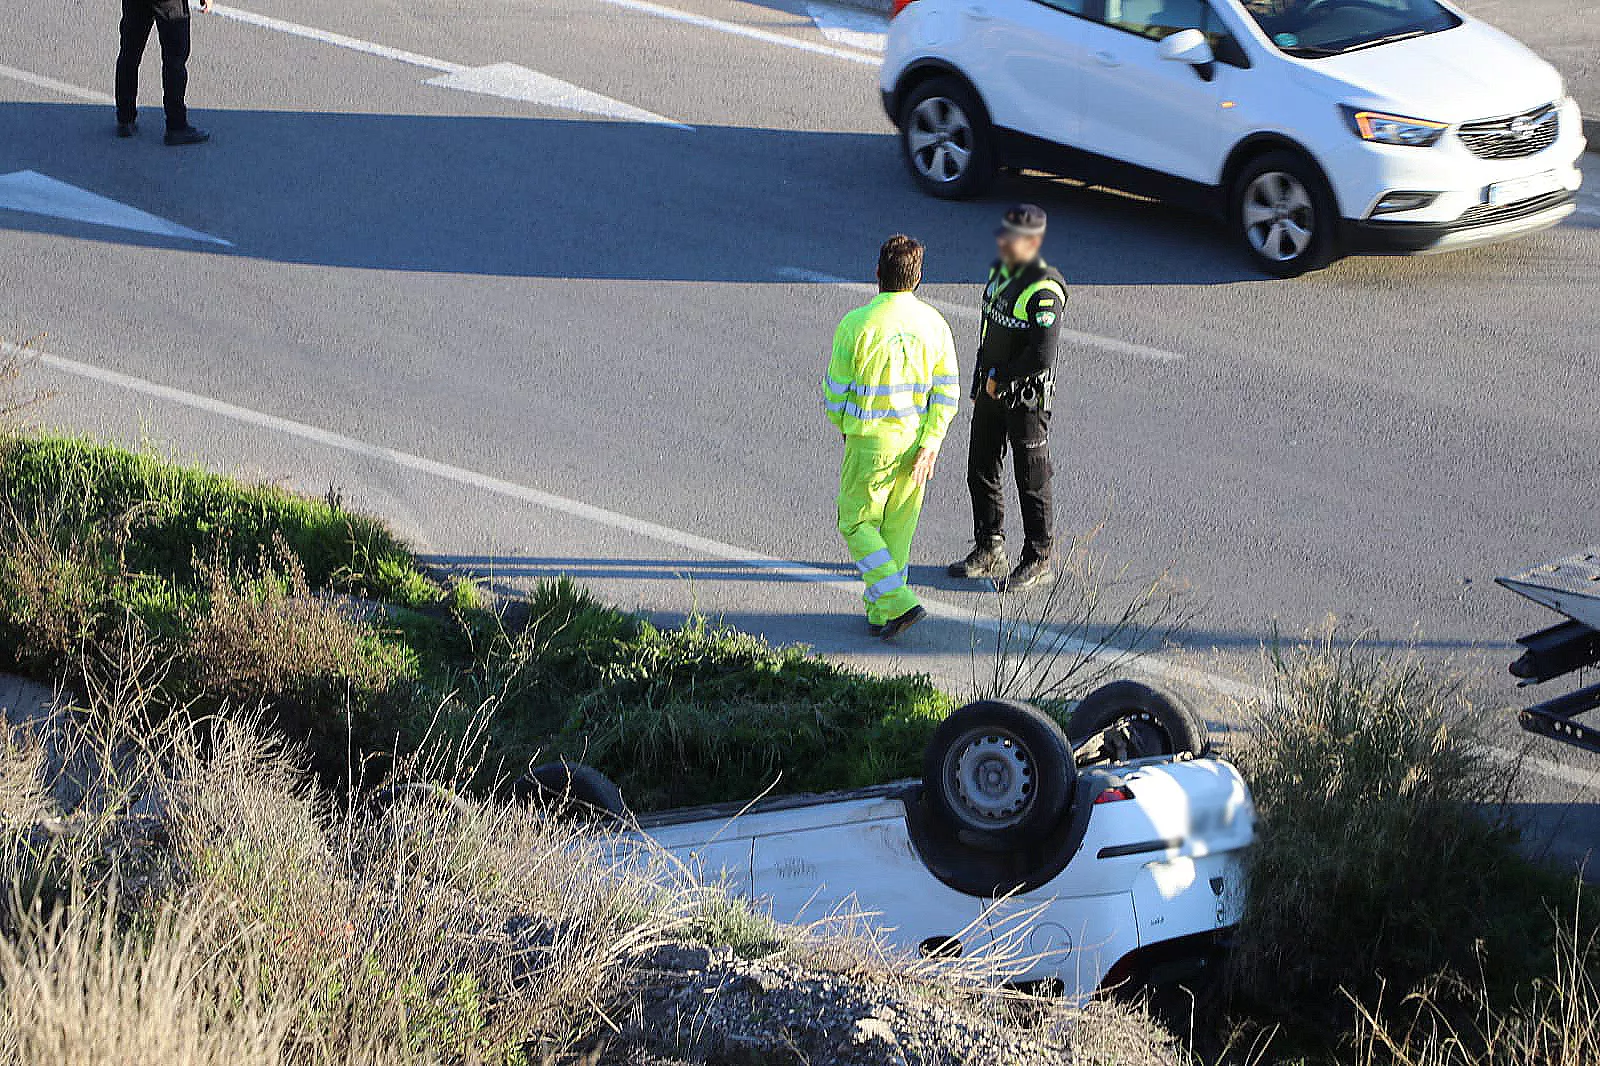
(1046, 319)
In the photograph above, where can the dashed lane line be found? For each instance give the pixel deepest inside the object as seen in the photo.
(39, 81)
(1072, 336)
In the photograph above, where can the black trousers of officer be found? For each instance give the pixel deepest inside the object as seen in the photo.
(171, 21)
(995, 426)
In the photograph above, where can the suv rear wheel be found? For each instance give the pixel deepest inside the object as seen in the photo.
(1284, 215)
(947, 140)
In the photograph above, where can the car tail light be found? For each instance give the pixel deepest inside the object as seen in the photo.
(899, 6)
(1114, 795)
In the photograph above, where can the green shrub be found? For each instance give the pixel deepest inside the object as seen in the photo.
(1386, 859)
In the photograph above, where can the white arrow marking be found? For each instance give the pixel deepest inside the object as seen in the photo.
(850, 27)
(39, 194)
(507, 80)
(514, 82)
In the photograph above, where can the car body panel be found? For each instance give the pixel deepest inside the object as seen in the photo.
(1142, 873)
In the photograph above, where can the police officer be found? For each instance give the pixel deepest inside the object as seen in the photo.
(891, 388)
(1012, 390)
(170, 18)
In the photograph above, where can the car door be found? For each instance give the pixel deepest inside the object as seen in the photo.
(1031, 55)
(1153, 112)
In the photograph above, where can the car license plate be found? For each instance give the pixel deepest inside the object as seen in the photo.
(1519, 189)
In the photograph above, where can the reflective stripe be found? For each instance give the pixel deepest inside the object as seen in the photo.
(875, 560)
(835, 386)
(879, 589)
(946, 379)
(948, 401)
(835, 405)
(866, 414)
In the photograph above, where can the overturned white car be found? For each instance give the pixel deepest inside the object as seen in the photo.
(1112, 857)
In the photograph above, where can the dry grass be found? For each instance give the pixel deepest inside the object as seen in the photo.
(180, 892)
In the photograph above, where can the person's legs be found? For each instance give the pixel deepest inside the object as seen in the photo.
(137, 18)
(173, 29)
(901, 512)
(865, 482)
(1030, 443)
(986, 453)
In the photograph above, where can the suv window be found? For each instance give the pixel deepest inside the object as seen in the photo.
(1071, 7)
(1156, 19)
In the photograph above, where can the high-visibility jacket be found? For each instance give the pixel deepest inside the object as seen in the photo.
(893, 373)
(1022, 311)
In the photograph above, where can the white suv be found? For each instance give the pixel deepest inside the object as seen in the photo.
(1312, 126)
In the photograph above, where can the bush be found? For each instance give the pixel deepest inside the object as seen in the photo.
(1385, 859)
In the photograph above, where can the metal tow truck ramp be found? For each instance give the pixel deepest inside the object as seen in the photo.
(1570, 587)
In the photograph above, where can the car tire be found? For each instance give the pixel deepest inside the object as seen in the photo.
(1155, 722)
(946, 139)
(420, 794)
(1284, 214)
(573, 790)
(999, 773)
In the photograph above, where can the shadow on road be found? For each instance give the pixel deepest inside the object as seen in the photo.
(533, 197)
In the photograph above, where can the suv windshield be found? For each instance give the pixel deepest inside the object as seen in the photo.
(1314, 28)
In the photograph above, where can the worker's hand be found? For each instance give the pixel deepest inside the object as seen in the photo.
(205, 6)
(922, 466)
(991, 388)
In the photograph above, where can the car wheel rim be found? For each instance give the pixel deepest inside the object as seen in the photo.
(1279, 218)
(939, 139)
(991, 775)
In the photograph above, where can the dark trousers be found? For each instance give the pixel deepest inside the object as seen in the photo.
(1027, 432)
(171, 21)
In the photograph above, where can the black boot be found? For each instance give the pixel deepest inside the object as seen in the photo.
(185, 136)
(1032, 571)
(987, 559)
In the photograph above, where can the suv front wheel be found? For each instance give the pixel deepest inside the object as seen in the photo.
(1284, 215)
(947, 140)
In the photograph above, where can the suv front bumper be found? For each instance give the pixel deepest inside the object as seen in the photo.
(1480, 225)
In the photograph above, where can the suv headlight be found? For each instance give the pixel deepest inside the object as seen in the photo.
(1392, 129)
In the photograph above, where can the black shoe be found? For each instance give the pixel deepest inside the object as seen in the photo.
(987, 559)
(875, 629)
(895, 626)
(127, 129)
(187, 135)
(1031, 572)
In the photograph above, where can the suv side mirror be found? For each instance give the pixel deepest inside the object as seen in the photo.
(1186, 46)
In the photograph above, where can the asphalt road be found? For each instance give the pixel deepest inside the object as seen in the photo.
(547, 341)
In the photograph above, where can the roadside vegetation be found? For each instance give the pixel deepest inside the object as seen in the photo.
(252, 663)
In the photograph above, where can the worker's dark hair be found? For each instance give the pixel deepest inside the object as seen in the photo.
(900, 264)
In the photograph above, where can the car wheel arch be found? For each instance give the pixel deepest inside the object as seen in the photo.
(925, 70)
(1257, 145)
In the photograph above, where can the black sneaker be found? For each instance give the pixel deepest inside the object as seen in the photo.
(875, 629)
(127, 129)
(187, 135)
(987, 559)
(895, 626)
(1031, 572)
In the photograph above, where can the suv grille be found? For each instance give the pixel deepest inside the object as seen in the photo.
(1512, 138)
(1489, 215)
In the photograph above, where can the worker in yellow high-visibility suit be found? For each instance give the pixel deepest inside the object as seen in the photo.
(892, 389)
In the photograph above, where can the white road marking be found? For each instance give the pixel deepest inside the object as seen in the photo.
(851, 26)
(644, 7)
(1149, 665)
(64, 88)
(339, 40)
(1090, 340)
(515, 82)
(39, 194)
(506, 80)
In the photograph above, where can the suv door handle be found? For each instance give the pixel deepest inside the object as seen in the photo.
(1106, 59)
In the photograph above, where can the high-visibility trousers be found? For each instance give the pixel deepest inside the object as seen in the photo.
(879, 506)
